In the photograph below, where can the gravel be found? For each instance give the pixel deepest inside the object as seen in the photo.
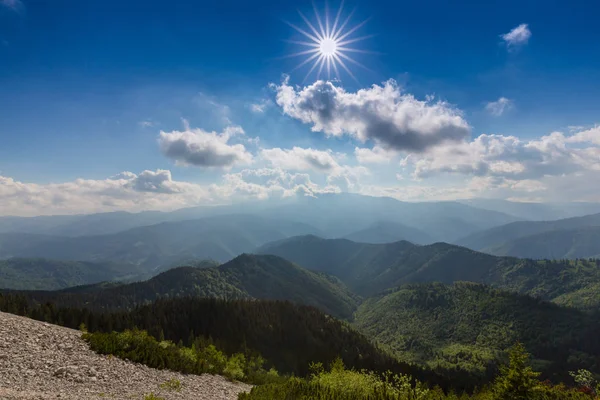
(44, 361)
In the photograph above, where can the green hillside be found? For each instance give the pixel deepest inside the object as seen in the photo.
(246, 276)
(370, 268)
(470, 326)
(288, 336)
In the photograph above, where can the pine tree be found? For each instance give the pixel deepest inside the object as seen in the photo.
(518, 380)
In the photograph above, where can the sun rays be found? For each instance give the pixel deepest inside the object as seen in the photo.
(327, 44)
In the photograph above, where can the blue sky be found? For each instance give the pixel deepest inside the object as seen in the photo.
(88, 86)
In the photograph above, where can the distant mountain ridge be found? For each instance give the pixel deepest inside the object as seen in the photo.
(389, 232)
(220, 238)
(334, 215)
(559, 244)
(535, 211)
(44, 274)
(565, 238)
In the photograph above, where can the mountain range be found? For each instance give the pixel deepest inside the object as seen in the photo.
(333, 215)
(564, 238)
(219, 238)
(368, 269)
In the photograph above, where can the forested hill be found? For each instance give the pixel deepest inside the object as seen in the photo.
(371, 268)
(246, 276)
(289, 336)
(470, 325)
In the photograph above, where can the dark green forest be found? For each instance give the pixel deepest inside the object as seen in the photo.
(472, 325)
(246, 276)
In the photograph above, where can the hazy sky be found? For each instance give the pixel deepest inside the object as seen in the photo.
(136, 105)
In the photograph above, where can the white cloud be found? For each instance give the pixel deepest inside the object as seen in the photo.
(347, 178)
(498, 107)
(271, 182)
(204, 149)
(158, 181)
(392, 119)
(517, 36)
(376, 155)
(300, 159)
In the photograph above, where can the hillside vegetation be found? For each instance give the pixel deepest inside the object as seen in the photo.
(470, 326)
(371, 268)
(246, 276)
(288, 336)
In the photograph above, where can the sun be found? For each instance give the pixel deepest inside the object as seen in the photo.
(328, 45)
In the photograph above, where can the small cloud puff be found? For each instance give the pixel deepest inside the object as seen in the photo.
(499, 107)
(204, 149)
(517, 36)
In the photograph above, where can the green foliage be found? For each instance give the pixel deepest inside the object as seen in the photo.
(341, 383)
(586, 380)
(152, 396)
(517, 381)
(371, 268)
(171, 384)
(289, 337)
(140, 347)
(469, 327)
(246, 276)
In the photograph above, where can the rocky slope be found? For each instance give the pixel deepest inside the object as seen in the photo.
(43, 361)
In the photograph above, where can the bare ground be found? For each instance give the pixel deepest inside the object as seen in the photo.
(43, 361)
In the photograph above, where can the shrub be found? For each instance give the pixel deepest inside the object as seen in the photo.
(171, 384)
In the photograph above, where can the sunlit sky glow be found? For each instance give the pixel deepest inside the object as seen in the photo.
(329, 44)
(125, 105)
